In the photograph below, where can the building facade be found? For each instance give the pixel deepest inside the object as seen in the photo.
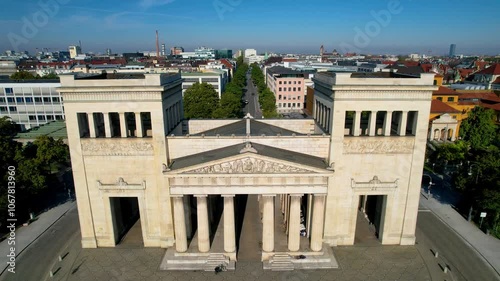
(31, 103)
(288, 88)
(217, 78)
(134, 157)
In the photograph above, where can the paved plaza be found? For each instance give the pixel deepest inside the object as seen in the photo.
(356, 263)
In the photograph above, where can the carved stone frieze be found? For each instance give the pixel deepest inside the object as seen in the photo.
(117, 147)
(382, 145)
(248, 165)
(374, 184)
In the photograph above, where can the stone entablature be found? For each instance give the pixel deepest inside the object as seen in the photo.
(117, 147)
(128, 95)
(379, 145)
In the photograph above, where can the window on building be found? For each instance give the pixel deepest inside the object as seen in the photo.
(451, 99)
(280, 82)
(440, 98)
(295, 82)
(298, 97)
(289, 89)
(83, 124)
(279, 104)
(28, 100)
(114, 120)
(46, 100)
(19, 100)
(55, 99)
(2, 100)
(3, 109)
(38, 100)
(41, 117)
(11, 100)
(300, 89)
(32, 117)
(284, 97)
(50, 117)
(300, 82)
(279, 97)
(289, 105)
(280, 89)
(284, 89)
(9, 90)
(12, 109)
(59, 117)
(294, 89)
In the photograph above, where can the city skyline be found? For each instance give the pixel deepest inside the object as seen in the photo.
(381, 27)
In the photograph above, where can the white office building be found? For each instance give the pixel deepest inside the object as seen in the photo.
(31, 103)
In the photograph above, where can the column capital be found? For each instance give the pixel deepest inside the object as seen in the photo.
(200, 195)
(176, 195)
(297, 195)
(227, 195)
(268, 195)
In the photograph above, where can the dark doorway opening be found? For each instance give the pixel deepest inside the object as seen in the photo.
(126, 221)
(370, 219)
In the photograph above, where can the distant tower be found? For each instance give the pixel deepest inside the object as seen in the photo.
(157, 45)
(108, 51)
(321, 50)
(452, 50)
(163, 50)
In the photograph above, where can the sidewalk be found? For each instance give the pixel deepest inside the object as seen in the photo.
(25, 235)
(487, 246)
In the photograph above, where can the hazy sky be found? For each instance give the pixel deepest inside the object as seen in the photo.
(368, 26)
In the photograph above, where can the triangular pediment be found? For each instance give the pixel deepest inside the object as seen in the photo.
(250, 163)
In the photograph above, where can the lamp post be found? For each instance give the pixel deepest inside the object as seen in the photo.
(469, 217)
(430, 184)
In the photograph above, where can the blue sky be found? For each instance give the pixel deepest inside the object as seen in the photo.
(418, 26)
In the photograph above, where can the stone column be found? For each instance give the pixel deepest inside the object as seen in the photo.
(92, 127)
(414, 123)
(107, 125)
(268, 223)
(357, 124)
(318, 221)
(123, 125)
(180, 225)
(138, 125)
(203, 227)
(372, 128)
(387, 123)
(403, 119)
(294, 231)
(229, 224)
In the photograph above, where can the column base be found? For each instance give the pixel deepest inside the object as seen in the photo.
(89, 242)
(407, 240)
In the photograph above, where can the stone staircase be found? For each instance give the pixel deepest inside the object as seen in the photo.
(280, 262)
(215, 260)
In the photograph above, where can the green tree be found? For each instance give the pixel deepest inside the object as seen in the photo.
(200, 101)
(451, 152)
(23, 75)
(50, 76)
(7, 127)
(479, 129)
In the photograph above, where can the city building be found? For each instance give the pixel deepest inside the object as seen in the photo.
(288, 88)
(176, 51)
(488, 77)
(453, 48)
(224, 54)
(250, 52)
(202, 53)
(163, 50)
(217, 78)
(31, 103)
(74, 51)
(179, 183)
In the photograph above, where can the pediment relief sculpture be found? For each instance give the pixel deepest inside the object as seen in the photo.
(248, 165)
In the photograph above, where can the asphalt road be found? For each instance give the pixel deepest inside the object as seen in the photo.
(464, 262)
(253, 106)
(35, 262)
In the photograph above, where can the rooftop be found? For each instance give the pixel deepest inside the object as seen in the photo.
(445, 91)
(280, 70)
(256, 129)
(104, 76)
(492, 70)
(55, 129)
(438, 106)
(264, 150)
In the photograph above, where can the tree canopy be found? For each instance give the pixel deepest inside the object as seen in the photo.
(267, 99)
(25, 75)
(479, 129)
(200, 101)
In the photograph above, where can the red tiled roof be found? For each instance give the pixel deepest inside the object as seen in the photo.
(480, 64)
(464, 72)
(438, 106)
(489, 96)
(226, 63)
(410, 63)
(426, 67)
(495, 107)
(492, 70)
(290, 60)
(444, 91)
